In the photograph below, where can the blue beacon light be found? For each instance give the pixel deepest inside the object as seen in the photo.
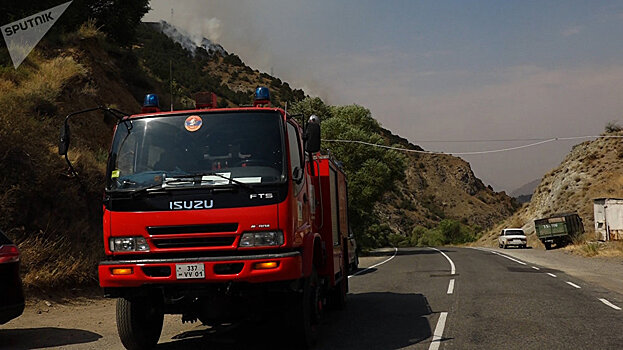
(262, 96)
(151, 103)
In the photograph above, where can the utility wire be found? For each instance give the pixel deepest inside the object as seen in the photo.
(483, 140)
(554, 139)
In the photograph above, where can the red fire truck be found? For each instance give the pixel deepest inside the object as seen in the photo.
(216, 214)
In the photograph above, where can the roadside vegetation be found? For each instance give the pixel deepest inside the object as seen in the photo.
(447, 232)
(371, 171)
(54, 219)
(39, 205)
(587, 246)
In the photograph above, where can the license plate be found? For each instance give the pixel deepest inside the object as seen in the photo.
(190, 271)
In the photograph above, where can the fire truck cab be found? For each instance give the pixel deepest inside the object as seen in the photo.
(217, 214)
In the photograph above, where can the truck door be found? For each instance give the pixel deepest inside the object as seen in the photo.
(300, 209)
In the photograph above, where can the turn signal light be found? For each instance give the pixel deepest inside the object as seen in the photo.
(122, 271)
(266, 265)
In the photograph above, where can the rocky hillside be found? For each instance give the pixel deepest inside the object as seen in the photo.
(440, 187)
(592, 169)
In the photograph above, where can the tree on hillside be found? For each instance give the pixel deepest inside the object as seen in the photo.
(309, 106)
(371, 171)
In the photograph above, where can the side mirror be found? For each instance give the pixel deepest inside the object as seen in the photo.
(63, 144)
(312, 142)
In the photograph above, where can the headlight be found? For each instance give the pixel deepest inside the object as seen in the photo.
(261, 239)
(128, 244)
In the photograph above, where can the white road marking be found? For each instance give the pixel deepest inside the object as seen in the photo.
(509, 258)
(452, 268)
(502, 255)
(573, 285)
(601, 299)
(438, 334)
(451, 286)
(536, 268)
(551, 274)
(375, 265)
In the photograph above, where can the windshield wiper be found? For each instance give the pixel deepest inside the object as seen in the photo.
(199, 177)
(179, 179)
(142, 190)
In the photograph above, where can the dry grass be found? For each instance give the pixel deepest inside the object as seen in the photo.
(52, 263)
(40, 83)
(612, 249)
(89, 29)
(47, 214)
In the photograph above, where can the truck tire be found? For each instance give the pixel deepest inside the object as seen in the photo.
(139, 322)
(338, 296)
(548, 245)
(306, 314)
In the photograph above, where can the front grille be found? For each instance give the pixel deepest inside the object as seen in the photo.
(208, 228)
(194, 242)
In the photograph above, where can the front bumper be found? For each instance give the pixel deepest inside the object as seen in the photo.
(517, 243)
(290, 267)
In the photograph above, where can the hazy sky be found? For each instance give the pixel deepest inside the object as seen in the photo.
(439, 70)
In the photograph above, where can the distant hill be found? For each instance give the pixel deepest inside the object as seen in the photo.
(524, 198)
(526, 189)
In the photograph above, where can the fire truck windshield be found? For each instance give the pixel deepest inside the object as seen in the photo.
(244, 146)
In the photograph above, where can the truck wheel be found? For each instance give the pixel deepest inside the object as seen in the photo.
(548, 245)
(338, 294)
(306, 313)
(139, 322)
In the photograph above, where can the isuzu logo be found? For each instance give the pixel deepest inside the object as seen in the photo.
(195, 204)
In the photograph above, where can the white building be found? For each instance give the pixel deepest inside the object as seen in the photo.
(609, 218)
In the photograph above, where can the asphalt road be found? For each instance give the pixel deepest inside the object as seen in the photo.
(415, 298)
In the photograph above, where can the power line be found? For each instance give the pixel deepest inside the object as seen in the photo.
(544, 141)
(483, 140)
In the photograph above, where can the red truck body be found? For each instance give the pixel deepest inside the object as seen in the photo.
(177, 241)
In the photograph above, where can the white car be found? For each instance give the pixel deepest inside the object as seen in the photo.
(512, 237)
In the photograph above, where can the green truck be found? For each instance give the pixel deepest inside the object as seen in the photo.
(558, 229)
